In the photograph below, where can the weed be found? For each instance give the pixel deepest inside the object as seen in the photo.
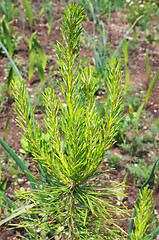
(147, 9)
(3, 96)
(3, 185)
(8, 9)
(47, 9)
(36, 56)
(99, 44)
(139, 171)
(135, 114)
(127, 73)
(28, 10)
(114, 160)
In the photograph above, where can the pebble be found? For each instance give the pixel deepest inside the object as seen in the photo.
(20, 180)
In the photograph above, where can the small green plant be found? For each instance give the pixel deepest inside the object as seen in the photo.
(139, 217)
(143, 215)
(139, 171)
(134, 146)
(67, 199)
(135, 107)
(7, 37)
(3, 186)
(91, 5)
(5, 129)
(114, 160)
(150, 85)
(147, 9)
(47, 9)
(28, 10)
(103, 5)
(9, 11)
(36, 56)
(3, 96)
(145, 100)
(99, 41)
(147, 70)
(127, 73)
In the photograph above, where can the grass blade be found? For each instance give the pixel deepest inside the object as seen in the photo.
(5, 130)
(32, 56)
(150, 89)
(28, 11)
(40, 69)
(125, 51)
(41, 53)
(2, 189)
(19, 162)
(153, 234)
(3, 185)
(10, 59)
(147, 68)
(124, 37)
(10, 76)
(138, 113)
(127, 78)
(8, 200)
(8, 39)
(17, 212)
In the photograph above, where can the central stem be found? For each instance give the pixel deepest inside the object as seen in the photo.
(71, 218)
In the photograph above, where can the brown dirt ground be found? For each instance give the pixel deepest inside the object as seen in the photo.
(137, 67)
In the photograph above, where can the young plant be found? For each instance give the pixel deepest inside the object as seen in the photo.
(15, 69)
(69, 200)
(3, 97)
(3, 186)
(127, 73)
(28, 10)
(151, 84)
(139, 171)
(148, 10)
(143, 226)
(147, 70)
(7, 37)
(143, 215)
(146, 98)
(135, 114)
(8, 11)
(99, 42)
(47, 9)
(37, 56)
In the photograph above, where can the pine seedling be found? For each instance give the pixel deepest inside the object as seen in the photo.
(74, 197)
(143, 215)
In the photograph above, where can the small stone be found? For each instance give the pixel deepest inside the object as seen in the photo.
(20, 181)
